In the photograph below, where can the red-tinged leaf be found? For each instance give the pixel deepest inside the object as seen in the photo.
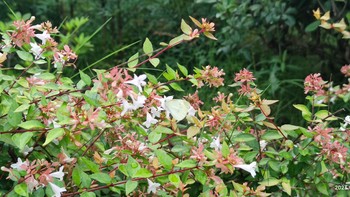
(265, 110)
(196, 22)
(210, 35)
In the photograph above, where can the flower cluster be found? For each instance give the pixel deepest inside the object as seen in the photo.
(38, 173)
(315, 84)
(245, 78)
(212, 76)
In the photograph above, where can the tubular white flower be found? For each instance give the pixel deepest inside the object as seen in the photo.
(152, 187)
(57, 190)
(216, 143)
(19, 165)
(248, 167)
(43, 37)
(138, 81)
(149, 121)
(58, 174)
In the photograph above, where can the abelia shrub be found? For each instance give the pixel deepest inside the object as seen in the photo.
(122, 132)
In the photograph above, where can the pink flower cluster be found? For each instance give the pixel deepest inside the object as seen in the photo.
(245, 77)
(39, 173)
(315, 84)
(334, 151)
(212, 76)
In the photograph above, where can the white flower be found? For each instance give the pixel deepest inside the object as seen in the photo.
(57, 190)
(155, 112)
(26, 150)
(127, 107)
(58, 174)
(263, 144)
(248, 167)
(216, 143)
(20, 165)
(138, 81)
(43, 37)
(139, 102)
(120, 94)
(31, 183)
(152, 187)
(149, 121)
(346, 122)
(36, 50)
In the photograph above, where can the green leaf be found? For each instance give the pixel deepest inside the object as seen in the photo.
(85, 180)
(271, 135)
(287, 187)
(154, 61)
(244, 137)
(171, 71)
(177, 40)
(183, 69)
(152, 78)
(174, 179)
(86, 78)
(225, 150)
(53, 134)
(200, 176)
(312, 26)
(46, 76)
(132, 166)
(186, 29)
(210, 35)
(176, 87)
(164, 159)
(21, 189)
(130, 186)
(101, 177)
(304, 111)
(147, 47)
(76, 175)
(187, 164)
(143, 173)
(22, 108)
(133, 61)
(270, 182)
(154, 136)
(23, 82)
(122, 169)
(289, 127)
(192, 131)
(161, 129)
(88, 194)
(25, 56)
(89, 164)
(31, 124)
(322, 187)
(21, 139)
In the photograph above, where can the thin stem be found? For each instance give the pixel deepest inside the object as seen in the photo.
(272, 122)
(93, 142)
